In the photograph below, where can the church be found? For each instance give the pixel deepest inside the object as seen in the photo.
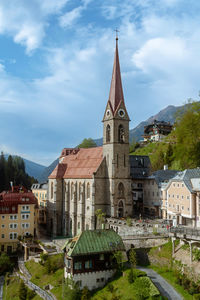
(96, 178)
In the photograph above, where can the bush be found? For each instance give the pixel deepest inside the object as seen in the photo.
(196, 254)
(30, 294)
(22, 291)
(196, 296)
(85, 294)
(110, 288)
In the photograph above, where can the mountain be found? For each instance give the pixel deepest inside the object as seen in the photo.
(43, 177)
(32, 169)
(167, 114)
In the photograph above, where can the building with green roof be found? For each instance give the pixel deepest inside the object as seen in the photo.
(89, 259)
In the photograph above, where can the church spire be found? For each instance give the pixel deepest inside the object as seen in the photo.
(116, 92)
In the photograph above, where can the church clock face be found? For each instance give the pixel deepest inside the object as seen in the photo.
(121, 113)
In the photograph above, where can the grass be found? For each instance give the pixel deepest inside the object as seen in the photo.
(165, 251)
(170, 277)
(10, 291)
(41, 278)
(121, 288)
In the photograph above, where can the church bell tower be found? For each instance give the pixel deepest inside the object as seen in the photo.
(116, 147)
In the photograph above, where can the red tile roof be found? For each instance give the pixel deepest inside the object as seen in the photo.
(81, 164)
(9, 200)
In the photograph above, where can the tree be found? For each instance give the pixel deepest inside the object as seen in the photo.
(100, 217)
(22, 291)
(71, 290)
(5, 263)
(132, 258)
(87, 143)
(187, 150)
(169, 155)
(118, 258)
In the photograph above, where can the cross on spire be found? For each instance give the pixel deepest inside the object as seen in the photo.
(116, 30)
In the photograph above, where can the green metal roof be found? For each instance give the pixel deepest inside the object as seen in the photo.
(94, 241)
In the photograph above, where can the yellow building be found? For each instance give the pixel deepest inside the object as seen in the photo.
(40, 192)
(18, 217)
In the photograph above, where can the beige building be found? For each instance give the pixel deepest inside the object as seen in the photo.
(155, 196)
(40, 192)
(18, 217)
(97, 178)
(183, 198)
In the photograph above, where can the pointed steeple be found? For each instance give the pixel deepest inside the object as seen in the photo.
(116, 91)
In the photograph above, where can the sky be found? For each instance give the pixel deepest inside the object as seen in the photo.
(56, 61)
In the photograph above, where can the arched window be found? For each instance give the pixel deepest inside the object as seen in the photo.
(108, 133)
(72, 190)
(79, 191)
(52, 190)
(121, 137)
(88, 190)
(121, 189)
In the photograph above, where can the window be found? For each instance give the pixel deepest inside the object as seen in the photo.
(102, 279)
(79, 225)
(27, 199)
(23, 207)
(177, 184)
(88, 264)
(3, 226)
(169, 195)
(23, 199)
(13, 208)
(2, 235)
(182, 207)
(139, 185)
(13, 236)
(182, 184)
(88, 190)
(177, 196)
(52, 190)
(98, 280)
(108, 133)
(101, 257)
(11, 217)
(27, 207)
(121, 138)
(13, 225)
(121, 190)
(25, 216)
(72, 190)
(188, 209)
(182, 197)
(188, 197)
(78, 265)
(3, 217)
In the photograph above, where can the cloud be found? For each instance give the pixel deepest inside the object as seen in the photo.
(69, 18)
(160, 54)
(26, 21)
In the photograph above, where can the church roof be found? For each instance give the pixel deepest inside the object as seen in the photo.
(81, 164)
(116, 95)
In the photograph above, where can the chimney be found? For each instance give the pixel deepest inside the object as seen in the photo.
(165, 167)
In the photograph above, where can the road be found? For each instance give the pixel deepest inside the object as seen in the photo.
(163, 286)
(1, 287)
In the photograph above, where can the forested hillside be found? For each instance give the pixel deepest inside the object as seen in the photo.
(13, 169)
(181, 149)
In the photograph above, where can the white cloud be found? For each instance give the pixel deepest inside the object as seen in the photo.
(160, 54)
(68, 19)
(25, 21)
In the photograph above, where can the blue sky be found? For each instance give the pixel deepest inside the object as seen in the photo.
(56, 62)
